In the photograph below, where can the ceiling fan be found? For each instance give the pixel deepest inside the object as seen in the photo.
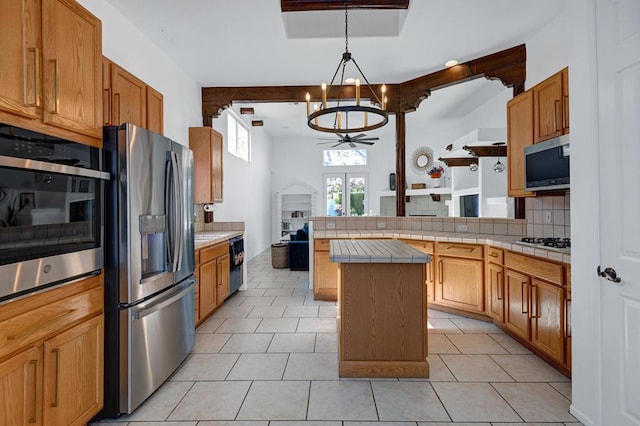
(351, 140)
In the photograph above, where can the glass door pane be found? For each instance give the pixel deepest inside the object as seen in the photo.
(334, 188)
(357, 196)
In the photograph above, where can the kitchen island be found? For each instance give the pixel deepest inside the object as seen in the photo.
(382, 299)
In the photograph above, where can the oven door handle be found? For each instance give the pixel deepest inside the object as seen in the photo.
(44, 166)
(164, 302)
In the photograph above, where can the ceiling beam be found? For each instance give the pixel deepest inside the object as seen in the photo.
(507, 66)
(308, 5)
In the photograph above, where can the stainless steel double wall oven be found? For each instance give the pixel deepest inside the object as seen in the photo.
(51, 227)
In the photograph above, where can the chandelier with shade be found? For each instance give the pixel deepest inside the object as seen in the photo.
(348, 115)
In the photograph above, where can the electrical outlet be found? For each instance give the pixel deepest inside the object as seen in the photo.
(547, 216)
(463, 228)
(331, 225)
(381, 225)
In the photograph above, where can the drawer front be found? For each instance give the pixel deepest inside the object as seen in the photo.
(30, 325)
(469, 251)
(424, 246)
(210, 253)
(321, 244)
(495, 255)
(547, 271)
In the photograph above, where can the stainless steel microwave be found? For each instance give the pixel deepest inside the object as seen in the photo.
(547, 165)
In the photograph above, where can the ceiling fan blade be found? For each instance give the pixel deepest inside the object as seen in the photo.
(341, 136)
(367, 139)
(324, 143)
(352, 145)
(358, 136)
(338, 144)
(364, 143)
(327, 139)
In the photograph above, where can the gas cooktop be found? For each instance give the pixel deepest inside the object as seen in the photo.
(555, 244)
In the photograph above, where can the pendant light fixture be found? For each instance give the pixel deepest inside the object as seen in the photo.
(498, 167)
(353, 117)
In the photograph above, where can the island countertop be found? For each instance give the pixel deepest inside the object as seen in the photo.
(375, 251)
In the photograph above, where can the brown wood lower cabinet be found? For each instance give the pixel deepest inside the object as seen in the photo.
(547, 327)
(325, 272)
(459, 283)
(427, 247)
(212, 275)
(73, 366)
(20, 381)
(495, 287)
(517, 311)
(51, 356)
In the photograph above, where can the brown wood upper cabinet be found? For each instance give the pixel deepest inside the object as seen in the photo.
(46, 45)
(127, 99)
(551, 107)
(519, 136)
(206, 145)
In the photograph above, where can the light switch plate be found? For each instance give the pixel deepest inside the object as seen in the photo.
(331, 226)
(381, 225)
(463, 228)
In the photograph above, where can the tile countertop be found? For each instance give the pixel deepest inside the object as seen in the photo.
(375, 251)
(506, 242)
(210, 238)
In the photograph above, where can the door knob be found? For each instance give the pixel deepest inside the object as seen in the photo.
(609, 273)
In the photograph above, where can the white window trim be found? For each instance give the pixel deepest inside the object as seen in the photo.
(241, 123)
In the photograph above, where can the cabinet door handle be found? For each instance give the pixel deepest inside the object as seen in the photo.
(56, 87)
(499, 286)
(522, 294)
(493, 254)
(54, 404)
(106, 114)
(533, 300)
(557, 111)
(116, 103)
(36, 78)
(440, 271)
(461, 248)
(34, 418)
(565, 111)
(567, 318)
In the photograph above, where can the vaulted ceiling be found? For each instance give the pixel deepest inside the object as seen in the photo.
(252, 42)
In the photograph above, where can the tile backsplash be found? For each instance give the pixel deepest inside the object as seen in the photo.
(420, 205)
(548, 216)
(200, 226)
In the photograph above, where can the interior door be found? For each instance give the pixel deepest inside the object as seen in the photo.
(345, 194)
(618, 56)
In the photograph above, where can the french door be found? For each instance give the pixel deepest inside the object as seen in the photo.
(345, 194)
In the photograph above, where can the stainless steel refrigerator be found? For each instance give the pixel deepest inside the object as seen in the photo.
(149, 291)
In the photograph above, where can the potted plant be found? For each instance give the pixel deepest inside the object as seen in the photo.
(435, 171)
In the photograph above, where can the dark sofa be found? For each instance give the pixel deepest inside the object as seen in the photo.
(299, 250)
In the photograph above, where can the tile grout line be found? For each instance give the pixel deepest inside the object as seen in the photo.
(507, 402)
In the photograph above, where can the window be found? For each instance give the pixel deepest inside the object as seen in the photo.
(344, 157)
(238, 137)
(345, 194)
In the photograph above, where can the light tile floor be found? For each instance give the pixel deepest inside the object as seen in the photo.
(268, 357)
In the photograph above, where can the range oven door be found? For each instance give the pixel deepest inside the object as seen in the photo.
(50, 211)
(155, 338)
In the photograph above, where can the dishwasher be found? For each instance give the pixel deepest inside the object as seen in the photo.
(236, 253)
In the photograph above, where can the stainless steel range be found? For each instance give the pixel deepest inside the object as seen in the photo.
(562, 245)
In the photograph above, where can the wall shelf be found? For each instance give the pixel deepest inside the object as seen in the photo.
(417, 192)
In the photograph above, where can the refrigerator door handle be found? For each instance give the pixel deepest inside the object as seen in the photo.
(146, 311)
(167, 208)
(177, 212)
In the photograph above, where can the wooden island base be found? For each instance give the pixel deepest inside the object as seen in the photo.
(382, 320)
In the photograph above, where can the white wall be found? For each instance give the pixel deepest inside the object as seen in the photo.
(547, 51)
(294, 161)
(132, 50)
(247, 188)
